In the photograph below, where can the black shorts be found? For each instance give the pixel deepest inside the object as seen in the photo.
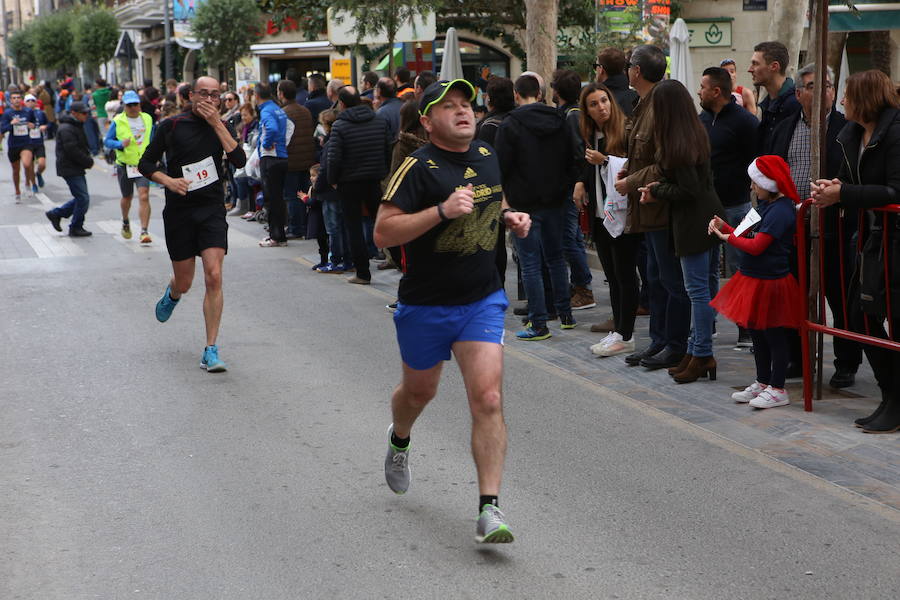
(38, 151)
(14, 153)
(193, 228)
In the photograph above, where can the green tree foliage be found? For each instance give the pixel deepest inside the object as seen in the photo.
(20, 47)
(226, 28)
(95, 34)
(52, 41)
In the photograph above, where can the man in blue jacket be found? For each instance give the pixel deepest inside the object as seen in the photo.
(273, 163)
(316, 101)
(18, 121)
(767, 69)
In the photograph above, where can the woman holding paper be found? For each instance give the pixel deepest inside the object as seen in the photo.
(763, 296)
(603, 130)
(686, 187)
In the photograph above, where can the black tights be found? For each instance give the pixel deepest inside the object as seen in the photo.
(770, 350)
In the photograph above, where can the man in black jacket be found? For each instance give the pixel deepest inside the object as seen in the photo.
(566, 86)
(72, 159)
(610, 69)
(359, 157)
(791, 140)
(538, 155)
(732, 140)
(767, 69)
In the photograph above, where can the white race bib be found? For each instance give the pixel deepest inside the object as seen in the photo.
(35, 133)
(132, 171)
(200, 174)
(19, 130)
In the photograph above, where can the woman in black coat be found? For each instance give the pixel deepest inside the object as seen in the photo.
(869, 178)
(686, 187)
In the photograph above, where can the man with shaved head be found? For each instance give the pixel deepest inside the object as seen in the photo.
(194, 143)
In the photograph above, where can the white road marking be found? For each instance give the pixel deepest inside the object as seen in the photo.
(47, 242)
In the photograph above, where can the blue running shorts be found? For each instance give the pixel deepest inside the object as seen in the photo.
(427, 333)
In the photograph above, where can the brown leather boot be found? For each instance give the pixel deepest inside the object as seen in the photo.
(673, 371)
(697, 368)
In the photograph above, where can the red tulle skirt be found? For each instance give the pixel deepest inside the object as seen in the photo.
(761, 303)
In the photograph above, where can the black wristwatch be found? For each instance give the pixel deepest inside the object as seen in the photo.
(441, 214)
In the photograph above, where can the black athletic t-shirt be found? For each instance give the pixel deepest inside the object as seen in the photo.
(453, 263)
(192, 150)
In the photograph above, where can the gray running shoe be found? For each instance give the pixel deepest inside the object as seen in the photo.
(396, 466)
(492, 527)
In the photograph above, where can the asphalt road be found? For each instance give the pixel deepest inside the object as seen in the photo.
(126, 471)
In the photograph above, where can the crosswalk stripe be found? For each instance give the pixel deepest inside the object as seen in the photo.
(47, 243)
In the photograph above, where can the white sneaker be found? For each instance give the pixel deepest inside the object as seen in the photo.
(610, 338)
(770, 398)
(603, 340)
(616, 347)
(18, 199)
(749, 393)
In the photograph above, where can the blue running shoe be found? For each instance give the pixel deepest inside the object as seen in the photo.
(530, 334)
(34, 188)
(211, 361)
(165, 306)
(40, 179)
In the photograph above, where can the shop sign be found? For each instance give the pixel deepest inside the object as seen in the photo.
(756, 4)
(710, 34)
(340, 69)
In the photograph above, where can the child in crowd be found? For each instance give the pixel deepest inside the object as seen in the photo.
(338, 239)
(315, 227)
(763, 296)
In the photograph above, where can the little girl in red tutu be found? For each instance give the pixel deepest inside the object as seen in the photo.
(763, 296)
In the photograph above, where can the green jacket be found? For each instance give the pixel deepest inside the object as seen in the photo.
(688, 197)
(101, 97)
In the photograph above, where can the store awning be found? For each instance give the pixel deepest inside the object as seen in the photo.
(285, 46)
(398, 59)
(872, 15)
(125, 48)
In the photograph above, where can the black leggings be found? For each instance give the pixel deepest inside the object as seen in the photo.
(770, 351)
(619, 256)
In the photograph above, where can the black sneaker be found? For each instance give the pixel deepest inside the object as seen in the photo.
(54, 220)
(80, 233)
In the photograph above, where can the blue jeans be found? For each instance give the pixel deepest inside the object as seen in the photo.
(573, 246)
(338, 242)
(670, 308)
(733, 216)
(695, 268)
(293, 181)
(242, 189)
(77, 207)
(544, 239)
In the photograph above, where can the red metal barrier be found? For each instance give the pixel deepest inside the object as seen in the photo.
(808, 325)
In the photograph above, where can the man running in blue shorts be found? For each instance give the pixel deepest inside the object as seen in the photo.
(442, 207)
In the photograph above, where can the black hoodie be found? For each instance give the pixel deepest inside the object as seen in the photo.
(72, 154)
(538, 156)
(359, 148)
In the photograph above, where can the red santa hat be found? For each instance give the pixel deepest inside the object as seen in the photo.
(772, 174)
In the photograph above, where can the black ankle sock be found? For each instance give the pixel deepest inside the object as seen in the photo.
(482, 500)
(399, 442)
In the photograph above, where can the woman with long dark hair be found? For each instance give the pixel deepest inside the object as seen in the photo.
(686, 186)
(603, 131)
(870, 177)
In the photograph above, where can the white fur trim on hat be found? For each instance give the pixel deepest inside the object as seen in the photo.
(761, 180)
(30, 97)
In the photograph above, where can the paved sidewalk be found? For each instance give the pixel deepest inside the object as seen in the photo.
(823, 442)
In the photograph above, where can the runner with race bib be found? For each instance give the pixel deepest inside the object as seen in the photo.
(129, 135)
(194, 143)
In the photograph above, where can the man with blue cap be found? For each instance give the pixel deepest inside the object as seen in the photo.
(129, 135)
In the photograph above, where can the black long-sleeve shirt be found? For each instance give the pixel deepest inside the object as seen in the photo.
(186, 139)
